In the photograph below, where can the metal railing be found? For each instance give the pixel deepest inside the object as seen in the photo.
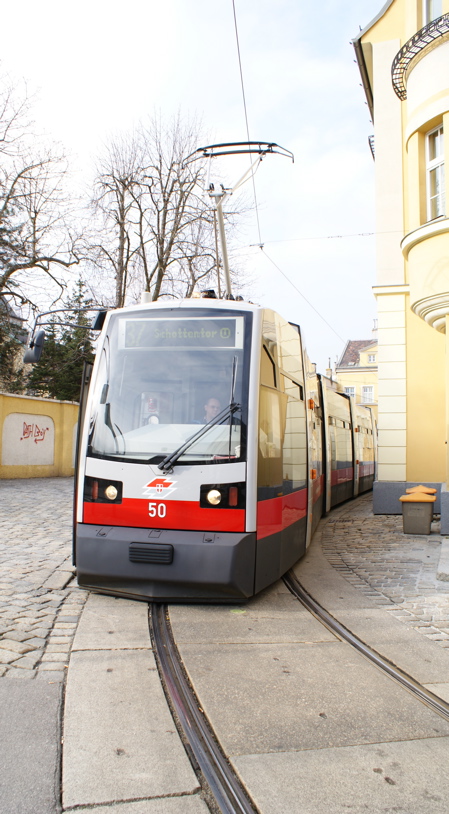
(432, 31)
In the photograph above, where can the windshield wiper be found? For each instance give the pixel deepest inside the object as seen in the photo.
(169, 461)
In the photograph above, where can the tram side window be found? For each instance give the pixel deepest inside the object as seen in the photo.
(344, 445)
(272, 414)
(267, 369)
(368, 446)
(341, 443)
(295, 439)
(289, 343)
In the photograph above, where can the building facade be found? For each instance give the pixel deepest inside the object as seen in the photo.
(356, 372)
(403, 57)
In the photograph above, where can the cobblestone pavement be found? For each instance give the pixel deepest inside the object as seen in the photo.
(397, 571)
(40, 603)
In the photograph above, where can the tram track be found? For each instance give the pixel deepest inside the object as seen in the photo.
(220, 784)
(414, 687)
(202, 745)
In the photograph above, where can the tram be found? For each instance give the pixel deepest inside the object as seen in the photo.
(208, 450)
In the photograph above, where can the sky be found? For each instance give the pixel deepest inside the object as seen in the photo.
(97, 68)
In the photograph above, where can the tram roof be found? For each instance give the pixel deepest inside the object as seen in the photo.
(194, 302)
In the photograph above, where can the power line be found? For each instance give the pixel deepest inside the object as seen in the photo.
(319, 237)
(330, 237)
(246, 115)
(302, 295)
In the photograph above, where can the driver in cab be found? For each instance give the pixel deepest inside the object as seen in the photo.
(211, 409)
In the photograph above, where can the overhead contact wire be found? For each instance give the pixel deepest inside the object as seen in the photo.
(260, 244)
(246, 117)
(302, 295)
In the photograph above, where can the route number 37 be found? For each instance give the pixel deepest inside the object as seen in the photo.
(157, 509)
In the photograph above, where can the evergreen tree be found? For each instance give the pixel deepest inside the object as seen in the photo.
(59, 371)
(12, 377)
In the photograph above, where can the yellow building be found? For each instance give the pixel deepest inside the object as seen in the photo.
(356, 372)
(403, 56)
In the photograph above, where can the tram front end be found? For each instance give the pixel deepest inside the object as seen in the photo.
(161, 508)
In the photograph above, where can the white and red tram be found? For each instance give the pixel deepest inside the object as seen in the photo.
(177, 502)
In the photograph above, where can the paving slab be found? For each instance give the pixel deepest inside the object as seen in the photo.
(274, 616)
(120, 742)
(29, 746)
(166, 805)
(400, 777)
(442, 690)
(109, 623)
(279, 697)
(418, 657)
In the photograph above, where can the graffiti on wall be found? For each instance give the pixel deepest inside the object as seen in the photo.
(28, 439)
(34, 431)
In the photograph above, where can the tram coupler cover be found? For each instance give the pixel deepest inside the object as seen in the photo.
(417, 512)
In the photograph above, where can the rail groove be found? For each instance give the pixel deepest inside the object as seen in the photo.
(426, 696)
(222, 782)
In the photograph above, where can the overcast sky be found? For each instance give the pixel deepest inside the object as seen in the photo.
(99, 67)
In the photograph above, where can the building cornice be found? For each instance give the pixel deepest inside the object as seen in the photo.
(433, 310)
(383, 290)
(440, 226)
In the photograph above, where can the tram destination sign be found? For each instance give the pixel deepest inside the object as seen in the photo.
(226, 332)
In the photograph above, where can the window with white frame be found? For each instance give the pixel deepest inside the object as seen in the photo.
(371, 357)
(367, 394)
(436, 194)
(350, 391)
(431, 10)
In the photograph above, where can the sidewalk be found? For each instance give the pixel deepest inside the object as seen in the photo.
(112, 672)
(408, 575)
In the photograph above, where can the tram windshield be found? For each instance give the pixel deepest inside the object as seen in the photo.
(164, 376)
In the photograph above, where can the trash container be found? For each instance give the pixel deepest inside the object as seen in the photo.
(417, 512)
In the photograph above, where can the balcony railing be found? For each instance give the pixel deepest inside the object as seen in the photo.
(431, 32)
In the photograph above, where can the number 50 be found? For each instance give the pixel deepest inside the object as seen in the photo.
(157, 509)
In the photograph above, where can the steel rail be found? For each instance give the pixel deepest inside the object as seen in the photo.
(426, 696)
(223, 784)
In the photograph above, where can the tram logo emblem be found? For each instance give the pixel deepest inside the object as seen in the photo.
(159, 488)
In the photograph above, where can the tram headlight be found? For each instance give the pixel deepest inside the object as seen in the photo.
(214, 497)
(102, 490)
(223, 495)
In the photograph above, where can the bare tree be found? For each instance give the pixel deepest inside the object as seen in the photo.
(174, 220)
(34, 235)
(117, 187)
(162, 225)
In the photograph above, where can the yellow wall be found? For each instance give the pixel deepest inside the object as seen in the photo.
(33, 430)
(359, 378)
(426, 402)
(412, 290)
